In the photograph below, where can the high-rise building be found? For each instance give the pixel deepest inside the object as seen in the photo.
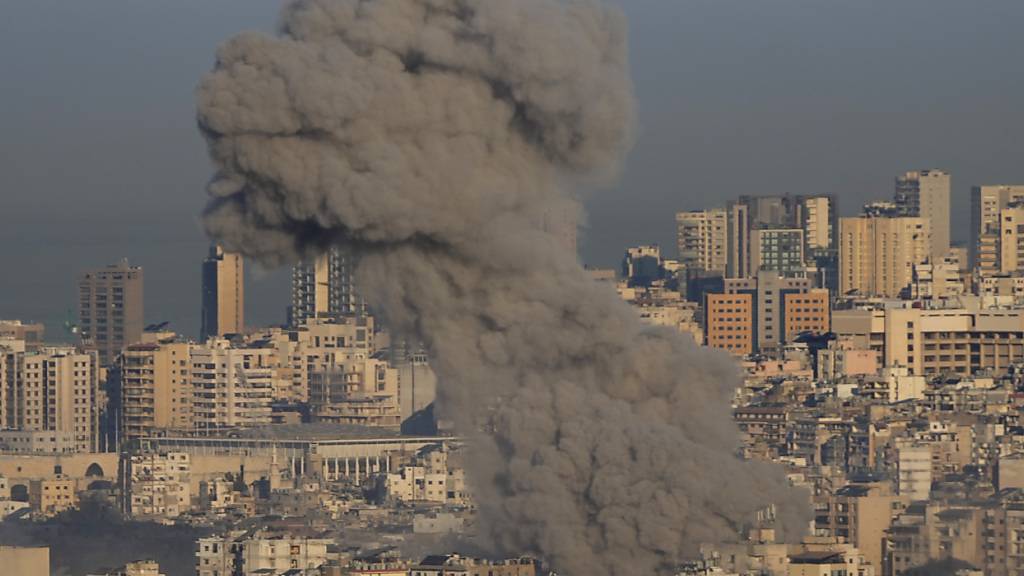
(53, 391)
(878, 251)
(156, 388)
(781, 308)
(702, 239)
(987, 202)
(324, 287)
(815, 216)
(778, 250)
(223, 294)
(925, 194)
(110, 309)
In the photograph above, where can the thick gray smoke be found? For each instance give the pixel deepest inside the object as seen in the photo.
(434, 136)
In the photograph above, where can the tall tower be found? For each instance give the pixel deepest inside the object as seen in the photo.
(325, 287)
(223, 294)
(925, 194)
(110, 308)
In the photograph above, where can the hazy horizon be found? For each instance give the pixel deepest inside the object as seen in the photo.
(100, 158)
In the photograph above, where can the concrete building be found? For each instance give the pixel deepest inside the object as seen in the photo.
(156, 388)
(324, 286)
(25, 561)
(877, 253)
(233, 387)
(141, 568)
(914, 470)
(859, 514)
(110, 308)
(781, 308)
(937, 341)
(258, 554)
(51, 497)
(729, 322)
(159, 486)
(55, 391)
(223, 294)
(314, 348)
(986, 204)
(815, 216)
(702, 240)
(926, 194)
(935, 281)
(357, 391)
(780, 250)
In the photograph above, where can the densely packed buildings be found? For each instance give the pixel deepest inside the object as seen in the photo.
(882, 366)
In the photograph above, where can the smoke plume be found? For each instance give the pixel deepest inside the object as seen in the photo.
(434, 137)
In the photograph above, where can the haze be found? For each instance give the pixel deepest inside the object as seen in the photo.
(100, 157)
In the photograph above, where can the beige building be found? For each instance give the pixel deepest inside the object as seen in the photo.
(223, 294)
(110, 308)
(156, 388)
(51, 497)
(877, 253)
(356, 391)
(25, 561)
(232, 387)
(702, 239)
(925, 194)
(53, 390)
(936, 341)
(859, 514)
(159, 486)
(258, 554)
(987, 202)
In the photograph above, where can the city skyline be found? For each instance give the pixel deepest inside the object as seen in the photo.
(855, 125)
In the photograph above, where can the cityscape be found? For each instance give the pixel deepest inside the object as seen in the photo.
(802, 384)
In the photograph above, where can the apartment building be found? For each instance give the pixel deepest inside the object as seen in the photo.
(156, 388)
(987, 203)
(702, 240)
(925, 194)
(110, 309)
(938, 341)
(878, 251)
(779, 310)
(259, 553)
(232, 387)
(159, 486)
(53, 396)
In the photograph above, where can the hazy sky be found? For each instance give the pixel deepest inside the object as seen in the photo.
(100, 158)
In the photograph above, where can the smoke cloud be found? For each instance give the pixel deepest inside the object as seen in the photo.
(434, 137)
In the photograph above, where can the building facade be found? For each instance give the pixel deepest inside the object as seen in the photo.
(223, 294)
(702, 240)
(877, 253)
(925, 194)
(110, 309)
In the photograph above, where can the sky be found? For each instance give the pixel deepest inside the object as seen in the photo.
(100, 158)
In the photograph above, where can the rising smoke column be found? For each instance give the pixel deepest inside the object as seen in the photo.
(433, 137)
